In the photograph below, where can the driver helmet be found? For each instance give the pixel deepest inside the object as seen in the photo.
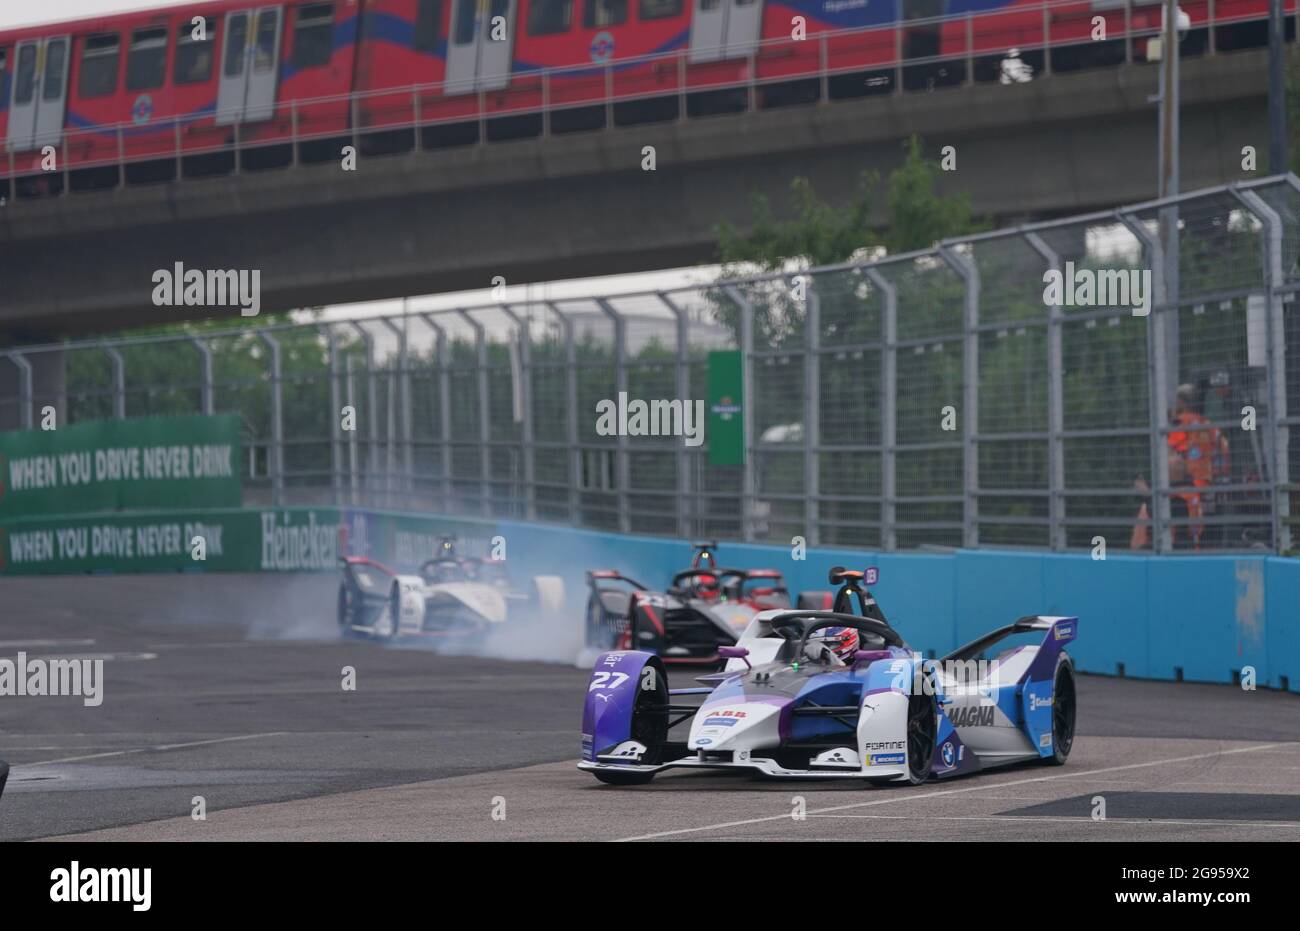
(843, 641)
(706, 587)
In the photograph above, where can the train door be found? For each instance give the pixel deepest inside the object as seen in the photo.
(725, 28)
(40, 93)
(250, 65)
(475, 59)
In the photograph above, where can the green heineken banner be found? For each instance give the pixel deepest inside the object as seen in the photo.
(118, 465)
(726, 408)
(271, 540)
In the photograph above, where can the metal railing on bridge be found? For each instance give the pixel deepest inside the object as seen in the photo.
(940, 398)
(546, 93)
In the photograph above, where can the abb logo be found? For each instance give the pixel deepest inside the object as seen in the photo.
(727, 714)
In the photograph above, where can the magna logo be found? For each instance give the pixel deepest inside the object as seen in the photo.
(972, 717)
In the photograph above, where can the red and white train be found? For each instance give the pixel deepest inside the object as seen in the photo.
(163, 85)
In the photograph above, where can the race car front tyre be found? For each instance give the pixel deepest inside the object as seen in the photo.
(344, 610)
(1064, 705)
(649, 726)
(922, 735)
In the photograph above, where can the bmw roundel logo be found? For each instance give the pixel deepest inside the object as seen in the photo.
(949, 755)
(142, 110)
(602, 47)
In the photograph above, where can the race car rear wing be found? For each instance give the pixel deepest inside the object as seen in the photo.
(1062, 629)
(596, 576)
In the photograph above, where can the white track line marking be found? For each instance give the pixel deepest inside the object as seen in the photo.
(1080, 819)
(46, 643)
(154, 749)
(930, 795)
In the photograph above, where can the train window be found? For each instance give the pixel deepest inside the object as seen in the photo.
(236, 42)
(25, 79)
(465, 12)
(710, 4)
(194, 57)
(268, 24)
(428, 22)
(313, 39)
(146, 66)
(600, 13)
(56, 67)
(99, 66)
(546, 17)
(659, 9)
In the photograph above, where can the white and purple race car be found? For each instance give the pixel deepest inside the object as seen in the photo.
(838, 693)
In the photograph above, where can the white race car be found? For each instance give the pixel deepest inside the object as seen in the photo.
(458, 599)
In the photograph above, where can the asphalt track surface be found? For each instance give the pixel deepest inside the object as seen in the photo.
(229, 687)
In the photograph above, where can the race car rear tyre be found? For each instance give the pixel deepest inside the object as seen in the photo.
(344, 610)
(1064, 709)
(815, 601)
(922, 735)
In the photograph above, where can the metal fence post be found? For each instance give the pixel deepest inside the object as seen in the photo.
(749, 491)
(206, 400)
(1128, 32)
(444, 409)
(681, 460)
(966, 270)
(484, 421)
(372, 413)
(525, 399)
(336, 412)
(1055, 405)
(25, 388)
(119, 381)
(1275, 338)
(176, 131)
(571, 418)
(293, 141)
(812, 415)
(276, 464)
(350, 397)
(407, 483)
(1157, 364)
(622, 463)
(888, 412)
(121, 159)
(67, 169)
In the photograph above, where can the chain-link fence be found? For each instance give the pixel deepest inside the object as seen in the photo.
(951, 397)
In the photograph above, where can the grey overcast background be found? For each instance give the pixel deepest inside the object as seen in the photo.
(27, 12)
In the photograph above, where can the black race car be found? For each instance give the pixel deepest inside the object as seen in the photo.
(703, 608)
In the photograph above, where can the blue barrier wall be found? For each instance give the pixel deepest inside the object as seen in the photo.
(1203, 618)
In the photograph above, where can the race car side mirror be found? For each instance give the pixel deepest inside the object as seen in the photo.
(735, 653)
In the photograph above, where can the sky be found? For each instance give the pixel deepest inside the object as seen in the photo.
(29, 12)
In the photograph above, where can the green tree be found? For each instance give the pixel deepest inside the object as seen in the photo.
(820, 233)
